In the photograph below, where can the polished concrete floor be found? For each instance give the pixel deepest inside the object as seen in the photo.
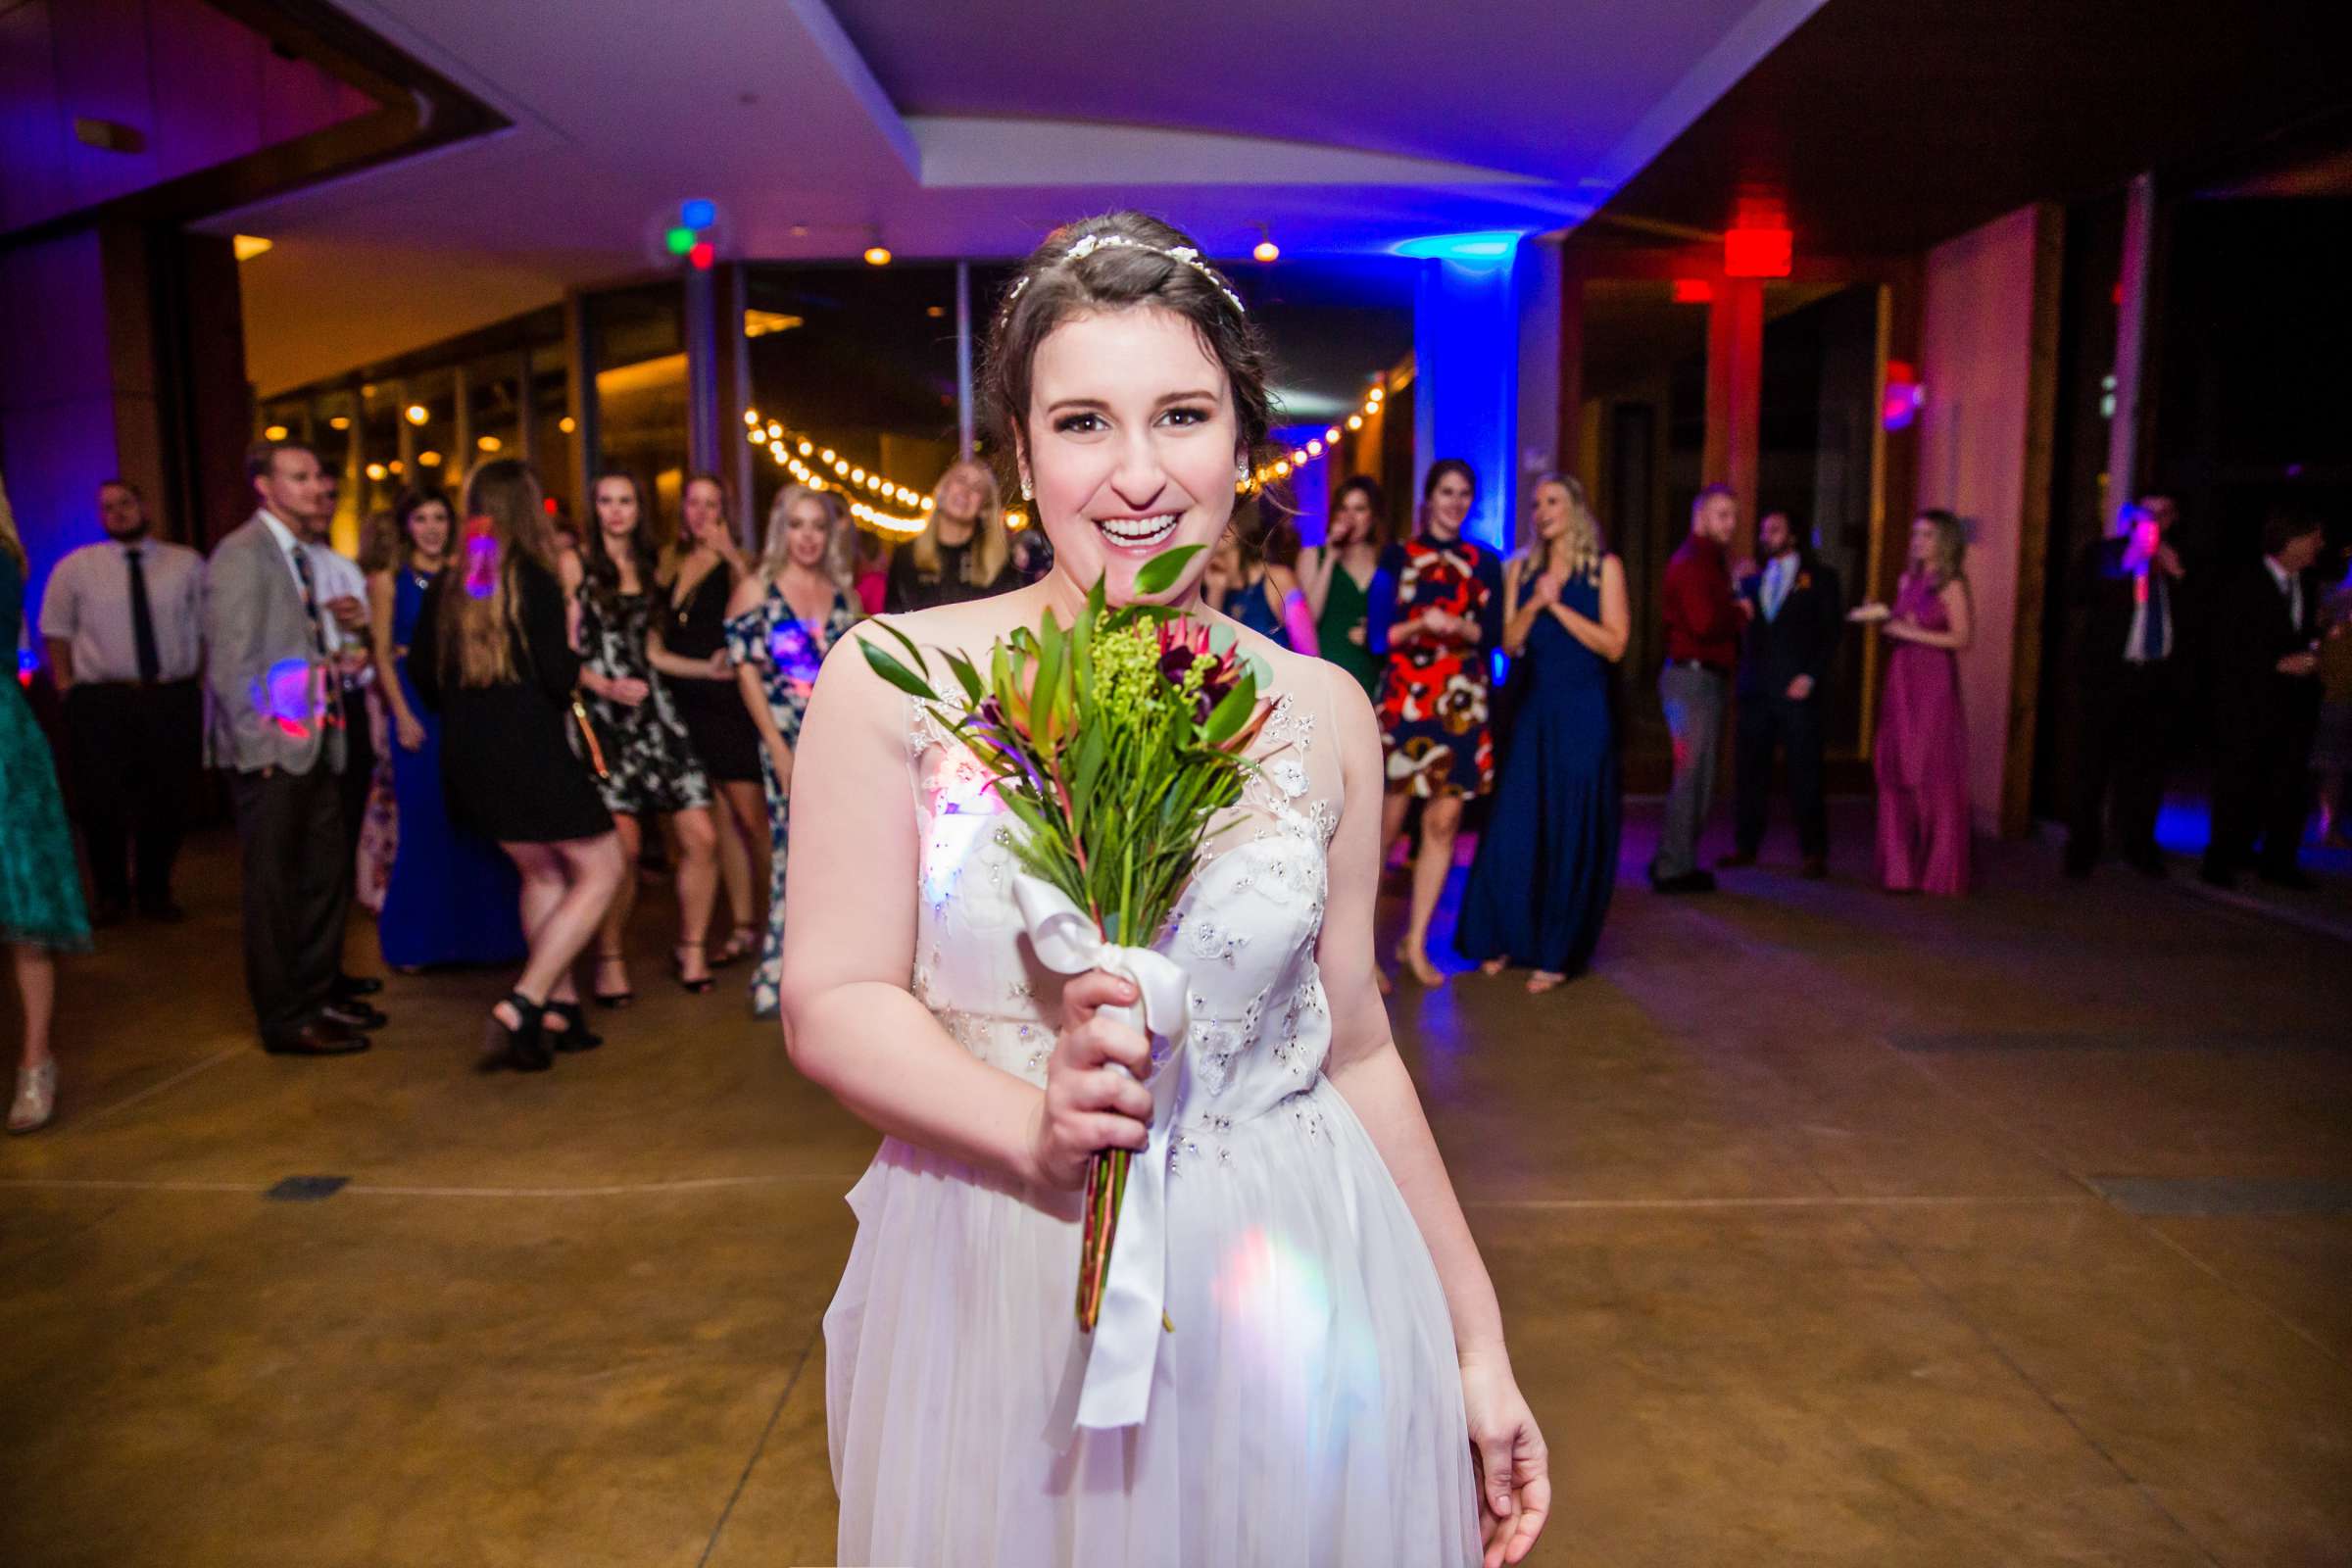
(1831, 1229)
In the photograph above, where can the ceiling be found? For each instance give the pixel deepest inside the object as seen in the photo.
(1888, 126)
(966, 129)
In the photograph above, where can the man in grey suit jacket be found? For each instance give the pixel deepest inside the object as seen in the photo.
(278, 728)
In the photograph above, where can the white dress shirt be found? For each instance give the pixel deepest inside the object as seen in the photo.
(87, 606)
(1778, 573)
(2136, 645)
(2291, 584)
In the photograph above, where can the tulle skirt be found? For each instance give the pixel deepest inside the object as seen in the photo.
(1306, 1410)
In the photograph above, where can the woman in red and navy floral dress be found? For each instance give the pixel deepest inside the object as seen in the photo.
(1436, 615)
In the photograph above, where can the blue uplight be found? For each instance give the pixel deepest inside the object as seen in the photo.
(698, 213)
(1492, 245)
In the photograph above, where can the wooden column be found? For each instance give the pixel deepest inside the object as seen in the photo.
(2033, 519)
(1735, 396)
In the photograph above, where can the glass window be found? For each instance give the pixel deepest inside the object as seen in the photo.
(637, 343)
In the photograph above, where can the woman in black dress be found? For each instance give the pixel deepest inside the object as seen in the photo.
(493, 656)
(688, 648)
(962, 552)
(651, 766)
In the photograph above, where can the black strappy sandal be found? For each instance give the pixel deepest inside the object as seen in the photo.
(576, 1035)
(523, 1049)
(677, 966)
(613, 999)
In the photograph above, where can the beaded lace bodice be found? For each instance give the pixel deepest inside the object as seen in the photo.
(1244, 930)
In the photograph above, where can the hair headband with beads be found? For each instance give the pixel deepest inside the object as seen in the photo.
(1087, 244)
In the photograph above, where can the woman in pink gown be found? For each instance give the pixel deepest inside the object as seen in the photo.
(1922, 757)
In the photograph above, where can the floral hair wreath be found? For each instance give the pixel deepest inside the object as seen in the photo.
(1087, 244)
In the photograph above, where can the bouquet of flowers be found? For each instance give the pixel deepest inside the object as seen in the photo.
(1113, 743)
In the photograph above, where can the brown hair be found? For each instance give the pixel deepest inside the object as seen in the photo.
(1138, 269)
(502, 528)
(261, 458)
(1951, 546)
(595, 556)
(1429, 486)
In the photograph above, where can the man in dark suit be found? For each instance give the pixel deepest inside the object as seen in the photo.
(2267, 692)
(2123, 587)
(1795, 619)
(278, 729)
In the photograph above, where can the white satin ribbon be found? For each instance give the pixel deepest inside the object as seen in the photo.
(1108, 1384)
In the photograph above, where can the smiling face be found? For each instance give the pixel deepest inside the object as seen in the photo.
(807, 534)
(1131, 445)
(1552, 511)
(1448, 506)
(704, 511)
(959, 496)
(429, 530)
(1925, 542)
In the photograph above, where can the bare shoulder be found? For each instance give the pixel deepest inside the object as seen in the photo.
(745, 597)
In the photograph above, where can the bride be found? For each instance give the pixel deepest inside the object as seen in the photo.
(1327, 1380)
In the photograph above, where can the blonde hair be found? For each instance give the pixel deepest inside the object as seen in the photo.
(992, 542)
(10, 545)
(1582, 545)
(1951, 546)
(775, 552)
(503, 527)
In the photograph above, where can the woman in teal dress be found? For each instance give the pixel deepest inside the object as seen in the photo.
(1336, 579)
(41, 912)
(1547, 860)
(780, 620)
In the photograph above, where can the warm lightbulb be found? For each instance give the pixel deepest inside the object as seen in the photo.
(418, 414)
(927, 503)
(1355, 421)
(489, 443)
(245, 247)
(1282, 471)
(751, 415)
(275, 432)
(1266, 250)
(340, 422)
(877, 256)
(857, 474)
(1332, 436)
(568, 425)
(398, 467)
(1314, 449)
(825, 456)
(775, 431)
(377, 471)
(805, 449)
(431, 459)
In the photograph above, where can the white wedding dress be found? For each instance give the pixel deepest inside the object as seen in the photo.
(1306, 1408)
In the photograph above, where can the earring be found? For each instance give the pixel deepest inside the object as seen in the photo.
(1241, 470)
(1026, 493)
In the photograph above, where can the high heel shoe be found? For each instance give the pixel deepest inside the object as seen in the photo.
(613, 999)
(523, 1046)
(37, 1098)
(576, 1035)
(677, 966)
(737, 946)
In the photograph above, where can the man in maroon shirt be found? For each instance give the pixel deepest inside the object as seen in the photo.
(1703, 621)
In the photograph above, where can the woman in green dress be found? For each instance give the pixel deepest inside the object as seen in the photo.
(40, 885)
(1337, 578)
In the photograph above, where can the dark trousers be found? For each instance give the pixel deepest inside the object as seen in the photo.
(1767, 723)
(2120, 759)
(133, 751)
(2261, 793)
(358, 772)
(297, 892)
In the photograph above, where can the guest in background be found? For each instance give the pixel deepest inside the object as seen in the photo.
(381, 549)
(41, 887)
(782, 620)
(342, 589)
(650, 762)
(279, 726)
(962, 552)
(1246, 582)
(1703, 622)
(495, 661)
(1435, 615)
(1922, 757)
(2267, 702)
(1336, 578)
(123, 620)
(688, 648)
(1546, 861)
(1795, 620)
(872, 571)
(451, 895)
(2332, 745)
(2123, 587)
(1032, 553)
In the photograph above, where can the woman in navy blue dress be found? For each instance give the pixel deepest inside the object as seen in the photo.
(451, 895)
(1547, 860)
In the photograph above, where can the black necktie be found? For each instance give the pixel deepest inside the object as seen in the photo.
(310, 607)
(142, 619)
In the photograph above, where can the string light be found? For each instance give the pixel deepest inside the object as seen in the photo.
(1316, 450)
(791, 451)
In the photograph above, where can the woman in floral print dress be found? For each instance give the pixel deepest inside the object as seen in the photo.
(1435, 615)
(780, 620)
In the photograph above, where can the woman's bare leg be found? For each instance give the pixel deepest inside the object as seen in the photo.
(1440, 820)
(697, 878)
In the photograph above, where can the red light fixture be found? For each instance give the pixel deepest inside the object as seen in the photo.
(702, 256)
(547, 504)
(1899, 408)
(1693, 291)
(1758, 252)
